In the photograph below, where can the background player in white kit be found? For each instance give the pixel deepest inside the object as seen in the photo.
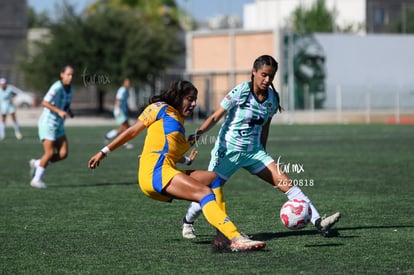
(242, 139)
(56, 108)
(121, 113)
(8, 108)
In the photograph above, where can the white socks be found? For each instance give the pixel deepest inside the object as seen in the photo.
(39, 173)
(296, 193)
(194, 210)
(16, 127)
(2, 130)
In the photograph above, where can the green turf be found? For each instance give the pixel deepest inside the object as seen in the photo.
(99, 222)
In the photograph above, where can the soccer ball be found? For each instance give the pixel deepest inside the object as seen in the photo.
(295, 214)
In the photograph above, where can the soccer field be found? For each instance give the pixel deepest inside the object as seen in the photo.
(99, 222)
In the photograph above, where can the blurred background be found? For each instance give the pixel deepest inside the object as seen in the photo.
(341, 61)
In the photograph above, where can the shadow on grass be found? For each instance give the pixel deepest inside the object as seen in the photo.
(324, 245)
(333, 233)
(225, 247)
(91, 184)
(265, 236)
(375, 227)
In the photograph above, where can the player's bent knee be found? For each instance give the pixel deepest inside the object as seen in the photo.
(61, 156)
(206, 199)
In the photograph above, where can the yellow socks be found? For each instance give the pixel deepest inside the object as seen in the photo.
(217, 217)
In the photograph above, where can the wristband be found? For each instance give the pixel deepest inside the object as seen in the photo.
(187, 160)
(105, 151)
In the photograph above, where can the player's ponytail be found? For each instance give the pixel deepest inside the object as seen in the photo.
(279, 107)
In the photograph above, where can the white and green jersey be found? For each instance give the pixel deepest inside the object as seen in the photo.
(122, 95)
(59, 97)
(242, 128)
(6, 96)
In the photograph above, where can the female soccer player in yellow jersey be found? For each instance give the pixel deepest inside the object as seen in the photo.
(165, 145)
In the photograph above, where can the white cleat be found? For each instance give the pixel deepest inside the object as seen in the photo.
(325, 223)
(188, 231)
(38, 184)
(243, 243)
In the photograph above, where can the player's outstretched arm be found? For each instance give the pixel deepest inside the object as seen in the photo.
(126, 136)
(209, 123)
(212, 120)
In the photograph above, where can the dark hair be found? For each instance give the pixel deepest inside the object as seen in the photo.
(265, 60)
(269, 61)
(175, 94)
(63, 68)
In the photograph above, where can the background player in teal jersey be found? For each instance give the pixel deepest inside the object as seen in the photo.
(56, 108)
(7, 107)
(242, 139)
(120, 112)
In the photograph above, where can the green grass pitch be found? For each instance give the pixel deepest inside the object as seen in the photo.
(99, 222)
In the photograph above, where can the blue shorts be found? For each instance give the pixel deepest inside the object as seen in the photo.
(226, 163)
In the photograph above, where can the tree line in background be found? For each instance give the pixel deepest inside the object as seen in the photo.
(109, 41)
(114, 39)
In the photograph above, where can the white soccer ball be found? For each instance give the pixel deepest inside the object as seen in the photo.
(295, 214)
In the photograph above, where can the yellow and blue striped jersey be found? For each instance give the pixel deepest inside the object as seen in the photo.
(166, 133)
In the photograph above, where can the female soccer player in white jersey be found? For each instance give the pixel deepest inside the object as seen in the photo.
(242, 139)
(7, 107)
(121, 113)
(56, 108)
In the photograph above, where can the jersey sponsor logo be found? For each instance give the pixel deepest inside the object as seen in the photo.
(244, 133)
(258, 121)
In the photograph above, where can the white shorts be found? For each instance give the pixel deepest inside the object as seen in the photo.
(7, 108)
(50, 132)
(120, 116)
